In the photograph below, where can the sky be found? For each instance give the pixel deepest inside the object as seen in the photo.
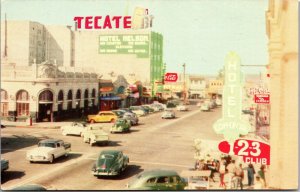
(198, 33)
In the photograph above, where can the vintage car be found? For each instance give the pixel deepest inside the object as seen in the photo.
(182, 108)
(120, 126)
(157, 180)
(132, 117)
(94, 134)
(76, 128)
(4, 164)
(196, 180)
(103, 116)
(119, 113)
(157, 107)
(30, 187)
(148, 108)
(138, 110)
(110, 162)
(48, 150)
(204, 107)
(168, 114)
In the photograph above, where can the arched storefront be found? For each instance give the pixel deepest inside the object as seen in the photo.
(4, 103)
(45, 102)
(22, 105)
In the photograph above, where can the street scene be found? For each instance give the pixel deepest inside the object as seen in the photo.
(149, 95)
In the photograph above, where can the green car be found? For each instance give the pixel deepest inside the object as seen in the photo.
(120, 126)
(110, 162)
(158, 180)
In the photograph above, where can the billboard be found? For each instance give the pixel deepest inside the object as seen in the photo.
(137, 44)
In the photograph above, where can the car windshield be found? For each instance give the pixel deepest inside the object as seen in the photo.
(106, 156)
(47, 145)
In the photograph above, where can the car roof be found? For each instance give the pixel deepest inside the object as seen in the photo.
(50, 140)
(158, 172)
(110, 152)
(30, 187)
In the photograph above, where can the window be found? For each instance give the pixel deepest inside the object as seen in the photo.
(46, 96)
(163, 180)
(22, 103)
(151, 180)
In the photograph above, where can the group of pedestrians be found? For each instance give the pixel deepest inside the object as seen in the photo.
(232, 174)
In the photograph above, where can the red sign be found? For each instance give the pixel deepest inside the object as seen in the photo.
(171, 77)
(262, 98)
(251, 150)
(106, 89)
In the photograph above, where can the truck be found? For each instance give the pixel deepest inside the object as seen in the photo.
(94, 135)
(48, 150)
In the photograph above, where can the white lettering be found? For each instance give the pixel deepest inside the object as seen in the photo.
(231, 101)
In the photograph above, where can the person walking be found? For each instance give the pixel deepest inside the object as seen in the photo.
(261, 173)
(239, 176)
(250, 172)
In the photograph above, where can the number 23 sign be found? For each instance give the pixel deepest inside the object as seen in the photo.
(251, 150)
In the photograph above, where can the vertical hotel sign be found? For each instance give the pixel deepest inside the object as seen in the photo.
(137, 44)
(231, 125)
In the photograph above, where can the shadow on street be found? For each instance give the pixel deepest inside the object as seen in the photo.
(10, 175)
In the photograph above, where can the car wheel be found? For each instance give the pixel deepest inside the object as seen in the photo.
(92, 121)
(51, 159)
(90, 142)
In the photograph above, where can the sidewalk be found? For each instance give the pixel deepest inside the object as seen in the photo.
(48, 125)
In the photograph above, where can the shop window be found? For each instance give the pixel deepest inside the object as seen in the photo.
(46, 96)
(4, 103)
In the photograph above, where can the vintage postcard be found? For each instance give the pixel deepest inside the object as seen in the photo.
(149, 95)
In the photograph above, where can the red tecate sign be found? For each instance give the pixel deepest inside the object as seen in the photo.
(171, 77)
(251, 150)
(262, 98)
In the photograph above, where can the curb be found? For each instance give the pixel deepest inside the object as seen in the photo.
(28, 126)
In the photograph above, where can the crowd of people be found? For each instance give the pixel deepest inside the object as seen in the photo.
(232, 174)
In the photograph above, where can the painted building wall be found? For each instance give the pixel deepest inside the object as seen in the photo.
(282, 31)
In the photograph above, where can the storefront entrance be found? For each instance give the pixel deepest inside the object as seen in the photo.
(45, 112)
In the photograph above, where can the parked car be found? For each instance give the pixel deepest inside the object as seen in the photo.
(30, 187)
(168, 114)
(110, 162)
(157, 107)
(146, 109)
(149, 108)
(120, 126)
(182, 108)
(4, 165)
(76, 128)
(197, 180)
(119, 113)
(48, 150)
(103, 116)
(132, 117)
(171, 105)
(138, 110)
(157, 180)
(204, 107)
(94, 134)
(126, 110)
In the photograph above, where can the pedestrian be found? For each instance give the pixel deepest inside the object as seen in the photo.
(231, 167)
(258, 183)
(222, 173)
(228, 179)
(250, 173)
(239, 176)
(261, 173)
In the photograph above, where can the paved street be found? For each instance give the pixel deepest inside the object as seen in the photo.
(155, 143)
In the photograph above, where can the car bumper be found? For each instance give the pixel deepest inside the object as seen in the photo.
(38, 158)
(101, 173)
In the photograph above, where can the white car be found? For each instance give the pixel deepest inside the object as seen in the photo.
(138, 110)
(182, 108)
(94, 135)
(76, 128)
(48, 150)
(204, 107)
(168, 114)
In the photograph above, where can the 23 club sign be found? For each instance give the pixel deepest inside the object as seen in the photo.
(251, 151)
(231, 125)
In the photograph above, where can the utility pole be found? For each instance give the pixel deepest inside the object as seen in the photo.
(184, 89)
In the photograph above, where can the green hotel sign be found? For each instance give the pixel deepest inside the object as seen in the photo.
(231, 124)
(137, 44)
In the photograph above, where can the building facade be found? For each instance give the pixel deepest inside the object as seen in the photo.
(197, 85)
(46, 93)
(282, 31)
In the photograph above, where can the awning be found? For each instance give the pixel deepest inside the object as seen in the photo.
(122, 96)
(106, 86)
(112, 98)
